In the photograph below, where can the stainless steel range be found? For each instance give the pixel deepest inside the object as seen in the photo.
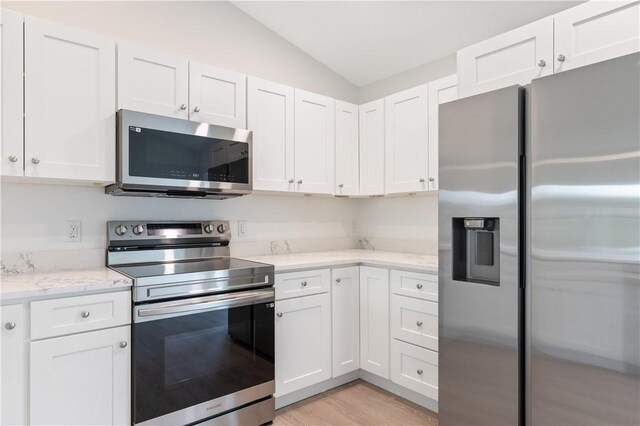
(203, 324)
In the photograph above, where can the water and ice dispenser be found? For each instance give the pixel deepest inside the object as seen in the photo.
(476, 250)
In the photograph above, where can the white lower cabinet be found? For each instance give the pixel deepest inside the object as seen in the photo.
(81, 379)
(374, 320)
(414, 321)
(415, 368)
(15, 334)
(345, 319)
(303, 342)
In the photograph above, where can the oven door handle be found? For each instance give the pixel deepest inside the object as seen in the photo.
(163, 310)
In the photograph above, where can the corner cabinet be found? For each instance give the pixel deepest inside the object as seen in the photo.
(372, 154)
(440, 91)
(345, 319)
(346, 143)
(374, 320)
(406, 141)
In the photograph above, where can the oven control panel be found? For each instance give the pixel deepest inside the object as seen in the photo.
(122, 231)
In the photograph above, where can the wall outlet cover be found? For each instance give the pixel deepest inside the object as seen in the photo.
(73, 231)
(243, 229)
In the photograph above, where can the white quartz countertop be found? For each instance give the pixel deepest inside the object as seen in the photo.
(53, 283)
(290, 262)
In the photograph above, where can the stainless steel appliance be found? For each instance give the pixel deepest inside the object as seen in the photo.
(168, 157)
(539, 227)
(203, 324)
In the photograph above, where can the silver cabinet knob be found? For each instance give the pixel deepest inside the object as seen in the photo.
(419, 286)
(85, 314)
(303, 283)
(10, 325)
(338, 280)
(341, 185)
(123, 344)
(183, 107)
(432, 179)
(542, 63)
(419, 323)
(13, 158)
(279, 314)
(291, 180)
(300, 182)
(421, 180)
(196, 109)
(419, 371)
(561, 58)
(35, 160)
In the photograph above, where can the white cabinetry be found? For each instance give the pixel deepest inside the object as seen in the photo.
(440, 91)
(415, 368)
(81, 379)
(217, 96)
(345, 319)
(596, 31)
(14, 329)
(12, 41)
(374, 320)
(302, 283)
(314, 143)
(406, 141)
(303, 342)
(346, 143)
(372, 148)
(270, 117)
(69, 90)
(514, 57)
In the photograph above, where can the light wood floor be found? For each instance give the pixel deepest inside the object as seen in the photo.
(356, 403)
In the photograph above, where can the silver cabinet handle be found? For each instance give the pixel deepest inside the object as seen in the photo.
(10, 325)
(303, 283)
(279, 314)
(432, 179)
(123, 344)
(542, 63)
(35, 160)
(419, 371)
(419, 323)
(561, 58)
(13, 158)
(300, 182)
(291, 181)
(419, 286)
(85, 314)
(183, 107)
(341, 185)
(421, 180)
(196, 109)
(338, 280)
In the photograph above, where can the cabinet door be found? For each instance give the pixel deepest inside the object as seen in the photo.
(82, 379)
(152, 81)
(406, 141)
(596, 31)
(372, 148)
(415, 368)
(303, 342)
(346, 149)
(14, 331)
(514, 57)
(314, 139)
(345, 319)
(70, 87)
(217, 96)
(440, 91)
(12, 163)
(270, 117)
(374, 320)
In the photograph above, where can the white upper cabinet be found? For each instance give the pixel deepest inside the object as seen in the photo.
(345, 319)
(12, 163)
(346, 149)
(596, 31)
(440, 91)
(270, 117)
(406, 141)
(372, 148)
(70, 103)
(515, 57)
(153, 82)
(217, 96)
(314, 143)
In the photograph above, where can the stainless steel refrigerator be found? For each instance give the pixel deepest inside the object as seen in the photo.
(539, 251)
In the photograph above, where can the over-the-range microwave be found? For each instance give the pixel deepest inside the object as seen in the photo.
(168, 157)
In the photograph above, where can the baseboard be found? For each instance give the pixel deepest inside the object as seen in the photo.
(388, 385)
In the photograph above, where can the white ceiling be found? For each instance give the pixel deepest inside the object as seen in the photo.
(366, 41)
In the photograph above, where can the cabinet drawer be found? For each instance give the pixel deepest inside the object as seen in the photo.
(57, 317)
(414, 368)
(415, 284)
(414, 321)
(302, 283)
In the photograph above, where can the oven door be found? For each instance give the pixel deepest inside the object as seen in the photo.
(199, 357)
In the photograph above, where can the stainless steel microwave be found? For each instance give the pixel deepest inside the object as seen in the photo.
(168, 157)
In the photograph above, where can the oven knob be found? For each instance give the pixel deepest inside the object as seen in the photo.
(208, 228)
(221, 229)
(138, 229)
(121, 230)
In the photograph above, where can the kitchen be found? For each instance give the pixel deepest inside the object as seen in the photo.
(333, 227)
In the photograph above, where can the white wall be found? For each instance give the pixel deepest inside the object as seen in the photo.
(213, 32)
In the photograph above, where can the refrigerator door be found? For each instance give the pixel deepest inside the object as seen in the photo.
(480, 296)
(585, 246)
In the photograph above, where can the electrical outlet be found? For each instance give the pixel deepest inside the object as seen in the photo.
(243, 229)
(73, 231)
(354, 226)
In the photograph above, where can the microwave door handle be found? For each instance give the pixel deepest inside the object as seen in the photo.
(202, 304)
